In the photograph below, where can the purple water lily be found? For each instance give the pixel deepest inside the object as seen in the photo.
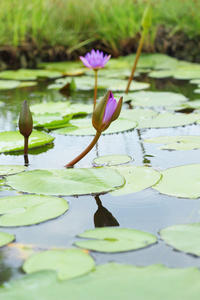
(106, 112)
(95, 60)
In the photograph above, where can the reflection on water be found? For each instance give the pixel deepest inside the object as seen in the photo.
(102, 217)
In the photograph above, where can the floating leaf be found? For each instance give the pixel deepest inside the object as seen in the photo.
(50, 107)
(169, 120)
(137, 179)
(14, 141)
(151, 99)
(184, 237)
(184, 142)
(67, 181)
(28, 74)
(27, 84)
(11, 169)
(182, 181)
(69, 263)
(187, 71)
(6, 238)
(112, 160)
(30, 209)
(67, 68)
(110, 281)
(161, 73)
(8, 84)
(84, 127)
(138, 114)
(107, 239)
(50, 121)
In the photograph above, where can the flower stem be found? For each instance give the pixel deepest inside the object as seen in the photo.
(95, 88)
(25, 145)
(80, 156)
(136, 60)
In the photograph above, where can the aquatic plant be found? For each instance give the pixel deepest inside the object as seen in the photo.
(95, 60)
(106, 111)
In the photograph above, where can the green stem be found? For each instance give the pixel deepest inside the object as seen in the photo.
(95, 88)
(25, 145)
(136, 60)
(80, 156)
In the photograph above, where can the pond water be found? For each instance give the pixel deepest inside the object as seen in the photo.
(147, 210)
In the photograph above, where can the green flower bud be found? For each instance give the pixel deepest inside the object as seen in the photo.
(147, 17)
(25, 120)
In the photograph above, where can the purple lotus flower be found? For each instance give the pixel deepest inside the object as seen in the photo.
(106, 111)
(95, 60)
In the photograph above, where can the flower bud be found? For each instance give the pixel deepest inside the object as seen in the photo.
(147, 17)
(106, 111)
(25, 120)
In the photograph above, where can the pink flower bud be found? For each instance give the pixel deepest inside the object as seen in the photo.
(106, 111)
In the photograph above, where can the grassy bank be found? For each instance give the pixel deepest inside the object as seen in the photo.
(75, 23)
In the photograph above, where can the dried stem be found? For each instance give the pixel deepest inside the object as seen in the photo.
(136, 60)
(80, 156)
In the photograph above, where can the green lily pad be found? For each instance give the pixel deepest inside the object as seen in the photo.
(109, 281)
(11, 169)
(180, 181)
(137, 179)
(183, 237)
(120, 73)
(50, 121)
(14, 141)
(69, 263)
(67, 181)
(197, 91)
(87, 83)
(67, 68)
(187, 71)
(79, 109)
(28, 74)
(112, 160)
(107, 239)
(161, 74)
(169, 120)
(151, 99)
(50, 107)
(84, 127)
(9, 84)
(184, 142)
(30, 209)
(6, 238)
(27, 84)
(189, 104)
(138, 115)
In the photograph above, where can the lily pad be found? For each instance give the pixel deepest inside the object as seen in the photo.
(137, 179)
(151, 99)
(106, 282)
(85, 83)
(69, 263)
(50, 121)
(161, 73)
(8, 84)
(187, 71)
(11, 169)
(28, 74)
(183, 237)
(182, 181)
(165, 120)
(184, 142)
(67, 68)
(24, 84)
(113, 240)
(30, 209)
(138, 114)
(84, 127)
(50, 107)
(14, 141)
(6, 238)
(67, 181)
(112, 160)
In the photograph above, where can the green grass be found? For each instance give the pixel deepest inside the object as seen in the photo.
(75, 23)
